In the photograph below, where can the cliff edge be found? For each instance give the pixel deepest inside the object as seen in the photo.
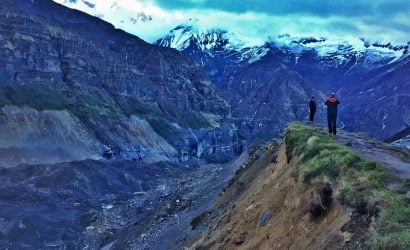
(310, 192)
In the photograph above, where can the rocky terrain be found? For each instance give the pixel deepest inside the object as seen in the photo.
(92, 204)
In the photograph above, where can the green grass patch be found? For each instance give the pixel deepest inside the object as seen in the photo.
(392, 229)
(39, 97)
(44, 97)
(362, 183)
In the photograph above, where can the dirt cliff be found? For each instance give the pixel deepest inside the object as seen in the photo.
(307, 193)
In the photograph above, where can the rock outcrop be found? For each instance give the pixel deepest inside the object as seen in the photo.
(33, 137)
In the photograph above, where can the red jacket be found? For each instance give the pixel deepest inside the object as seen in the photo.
(331, 104)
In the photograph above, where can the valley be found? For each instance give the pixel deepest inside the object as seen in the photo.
(197, 139)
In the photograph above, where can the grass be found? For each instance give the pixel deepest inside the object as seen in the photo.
(361, 183)
(40, 97)
(43, 97)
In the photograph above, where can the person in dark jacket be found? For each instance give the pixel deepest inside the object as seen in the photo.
(312, 108)
(331, 104)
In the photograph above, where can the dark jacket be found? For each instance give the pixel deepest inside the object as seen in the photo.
(331, 104)
(312, 105)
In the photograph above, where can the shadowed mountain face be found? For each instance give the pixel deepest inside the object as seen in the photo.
(266, 95)
(56, 58)
(379, 106)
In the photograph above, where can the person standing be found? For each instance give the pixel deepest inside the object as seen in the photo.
(312, 108)
(331, 104)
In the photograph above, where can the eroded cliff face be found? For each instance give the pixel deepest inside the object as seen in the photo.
(267, 207)
(55, 58)
(31, 136)
(314, 191)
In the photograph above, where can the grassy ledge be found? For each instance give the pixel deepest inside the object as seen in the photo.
(361, 184)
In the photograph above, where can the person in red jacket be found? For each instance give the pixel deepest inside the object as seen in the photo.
(331, 104)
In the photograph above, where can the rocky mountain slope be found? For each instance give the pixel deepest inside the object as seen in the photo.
(378, 106)
(119, 90)
(310, 193)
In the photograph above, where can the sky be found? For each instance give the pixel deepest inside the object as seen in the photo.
(375, 20)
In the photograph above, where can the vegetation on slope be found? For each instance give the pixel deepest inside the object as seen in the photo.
(88, 102)
(361, 184)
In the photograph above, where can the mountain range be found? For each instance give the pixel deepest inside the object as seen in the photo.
(364, 75)
(370, 77)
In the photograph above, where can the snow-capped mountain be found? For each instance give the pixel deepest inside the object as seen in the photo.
(339, 50)
(328, 62)
(213, 40)
(364, 74)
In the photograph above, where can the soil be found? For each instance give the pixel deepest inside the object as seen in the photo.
(270, 185)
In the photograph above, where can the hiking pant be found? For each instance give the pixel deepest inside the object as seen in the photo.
(312, 115)
(331, 123)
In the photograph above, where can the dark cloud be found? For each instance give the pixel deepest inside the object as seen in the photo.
(321, 8)
(359, 17)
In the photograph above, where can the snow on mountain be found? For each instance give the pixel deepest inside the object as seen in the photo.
(213, 40)
(350, 66)
(141, 17)
(135, 17)
(112, 11)
(341, 50)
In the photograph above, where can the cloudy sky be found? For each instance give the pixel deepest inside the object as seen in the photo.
(376, 20)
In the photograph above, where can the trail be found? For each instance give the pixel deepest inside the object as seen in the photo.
(390, 157)
(376, 151)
